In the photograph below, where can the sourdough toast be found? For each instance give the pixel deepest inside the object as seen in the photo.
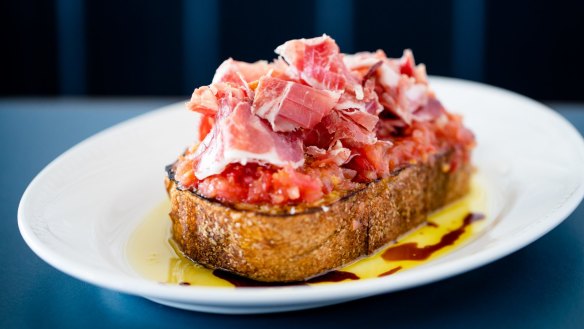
(293, 247)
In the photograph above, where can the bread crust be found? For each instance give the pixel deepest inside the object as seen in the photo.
(295, 247)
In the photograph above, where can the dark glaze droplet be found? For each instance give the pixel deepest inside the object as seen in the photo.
(390, 272)
(240, 281)
(182, 283)
(411, 251)
(334, 276)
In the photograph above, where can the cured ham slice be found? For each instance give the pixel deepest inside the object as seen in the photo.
(240, 73)
(351, 127)
(389, 75)
(364, 119)
(363, 112)
(407, 66)
(363, 60)
(337, 155)
(406, 98)
(404, 85)
(369, 104)
(319, 63)
(364, 64)
(412, 101)
(289, 105)
(342, 127)
(205, 100)
(431, 111)
(239, 136)
(406, 91)
(205, 125)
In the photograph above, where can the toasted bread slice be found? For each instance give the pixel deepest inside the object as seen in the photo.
(293, 247)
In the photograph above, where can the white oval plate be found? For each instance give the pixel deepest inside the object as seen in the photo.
(79, 212)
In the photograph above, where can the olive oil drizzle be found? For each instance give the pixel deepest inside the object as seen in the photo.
(154, 255)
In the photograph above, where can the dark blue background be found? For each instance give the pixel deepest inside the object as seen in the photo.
(108, 47)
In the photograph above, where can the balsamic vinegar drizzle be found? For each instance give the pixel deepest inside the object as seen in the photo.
(411, 251)
(390, 272)
(334, 276)
(239, 281)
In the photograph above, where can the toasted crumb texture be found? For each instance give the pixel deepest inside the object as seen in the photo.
(282, 248)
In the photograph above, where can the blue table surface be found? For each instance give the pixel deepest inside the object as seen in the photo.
(540, 286)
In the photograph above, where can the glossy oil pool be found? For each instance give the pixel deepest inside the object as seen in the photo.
(153, 254)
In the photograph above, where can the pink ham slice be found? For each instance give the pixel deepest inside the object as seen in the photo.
(337, 154)
(319, 63)
(364, 64)
(407, 66)
(407, 94)
(342, 127)
(369, 104)
(364, 119)
(363, 112)
(363, 60)
(432, 110)
(405, 98)
(239, 136)
(205, 100)
(240, 73)
(404, 85)
(289, 105)
(410, 101)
